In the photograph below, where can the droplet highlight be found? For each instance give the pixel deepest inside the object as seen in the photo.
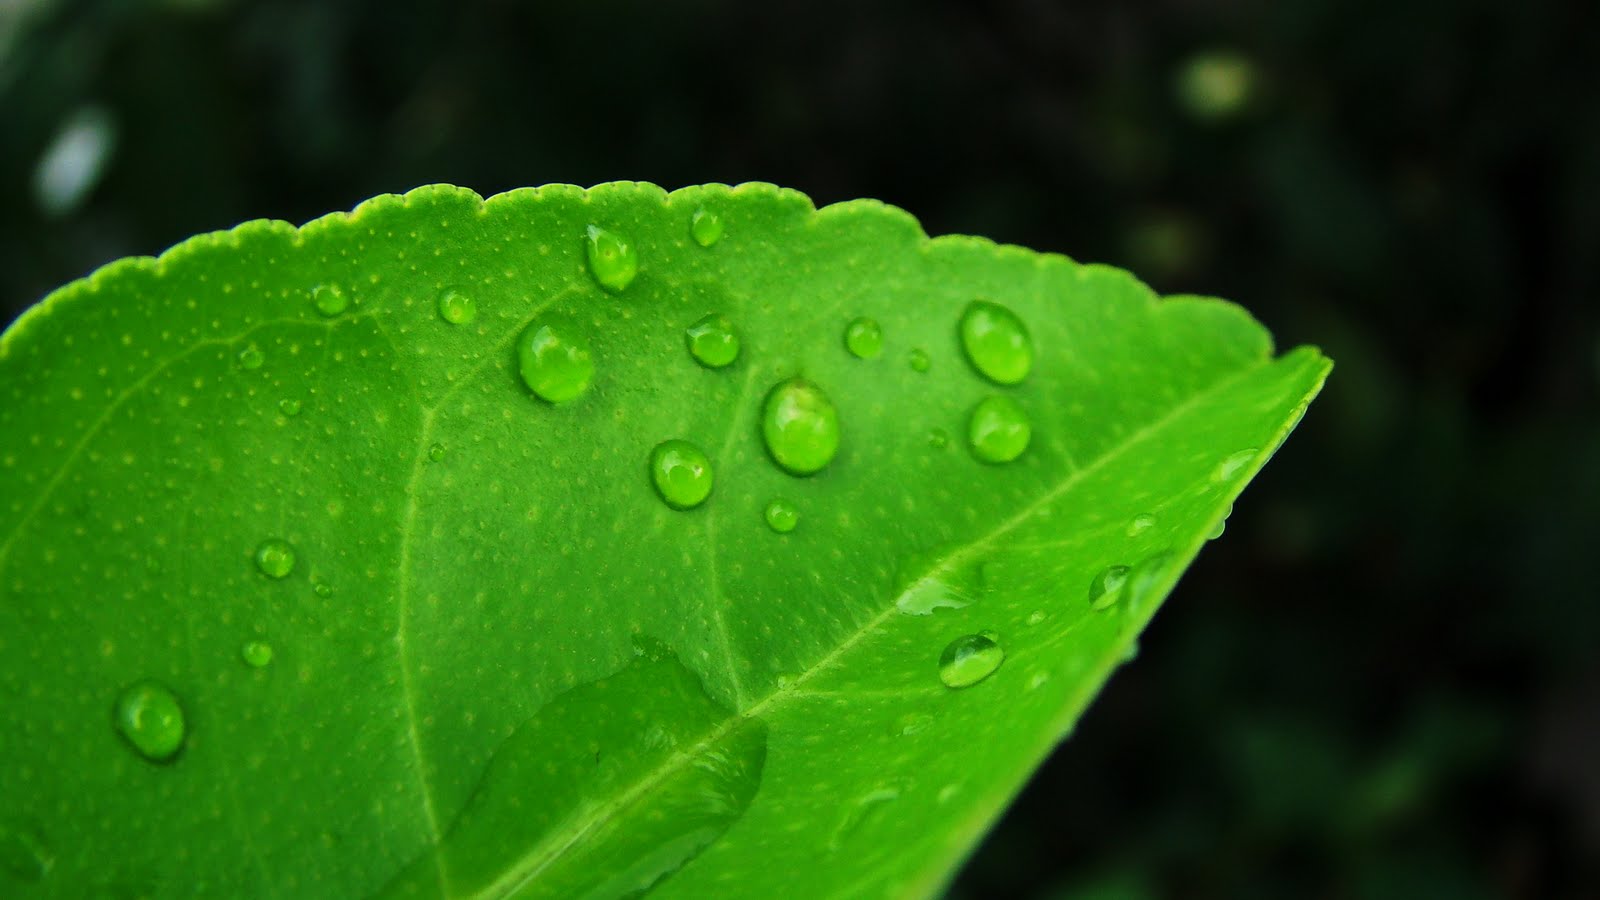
(556, 363)
(613, 261)
(864, 338)
(800, 426)
(999, 430)
(712, 341)
(256, 654)
(457, 308)
(1106, 588)
(996, 342)
(681, 473)
(782, 516)
(329, 299)
(150, 718)
(275, 558)
(970, 659)
(705, 227)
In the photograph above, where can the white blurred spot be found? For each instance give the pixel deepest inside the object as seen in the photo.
(73, 163)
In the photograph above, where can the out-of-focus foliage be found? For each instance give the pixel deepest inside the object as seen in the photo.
(1400, 698)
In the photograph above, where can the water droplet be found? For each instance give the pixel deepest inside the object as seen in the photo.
(1106, 588)
(251, 357)
(867, 808)
(1130, 652)
(938, 439)
(555, 363)
(782, 516)
(800, 426)
(681, 473)
(436, 452)
(1037, 680)
(1221, 526)
(909, 723)
(613, 261)
(1146, 576)
(1036, 617)
(705, 227)
(289, 406)
(863, 338)
(927, 584)
(275, 558)
(322, 589)
(999, 430)
(23, 853)
(457, 308)
(1140, 524)
(256, 654)
(918, 358)
(329, 299)
(712, 341)
(996, 343)
(784, 681)
(970, 659)
(1231, 466)
(149, 716)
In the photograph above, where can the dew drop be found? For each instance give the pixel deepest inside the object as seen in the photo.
(1038, 680)
(23, 853)
(256, 654)
(705, 227)
(1130, 652)
(681, 473)
(1037, 616)
(1231, 466)
(998, 431)
(436, 452)
(1106, 588)
(712, 341)
(555, 363)
(996, 343)
(289, 406)
(864, 338)
(782, 516)
(867, 808)
(613, 261)
(251, 357)
(275, 558)
(1140, 524)
(457, 308)
(918, 358)
(149, 717)
(909, 723)
(329, 300)
(800, 426)
(1221, 526)
(322, 589)
(970, 659)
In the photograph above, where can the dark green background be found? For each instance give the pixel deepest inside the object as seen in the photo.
(1383, 681)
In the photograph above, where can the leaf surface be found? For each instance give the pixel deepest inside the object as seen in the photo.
(501, 665)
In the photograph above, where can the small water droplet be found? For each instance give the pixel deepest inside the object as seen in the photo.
(705, 227)
(322, 589)
(712, 341)
(784, 681)
(1221, 526)
(1036, 617)
(436, 452)
(938, 439)
(457, 308)
(251, 357)
(996, 342)
(782, 516)
(1037, 680)
(918, 358)
(1106, 588)
(329, 299)
(1146, 575)
(1231, 466)
(864, 338)
(555, 363)
(681, 473)
(256, 654)
(23, 853)
(999, 430)
(149, 717)
(613, 261)
(275, 558)
(800, 426)
(867, 808)
(970, 659)
(289, 406)
(1130, 652)
(907, 724)
(1140, 524)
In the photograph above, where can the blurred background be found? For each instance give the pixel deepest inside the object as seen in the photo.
(1383, 681)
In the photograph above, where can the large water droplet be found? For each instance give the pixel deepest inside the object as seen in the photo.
(996, 343)
(149, 717)
(782, 516)
(329, 299)
(800, 426)
(1231, 466)
(275, 558)
(705, 227)
(970, 659)
(918, 359)
(999, 430)
(256, 654)
(612, 258)
(864, 338)
(555, 363)
(1106, 588)
(712, 341)
(251, 357)
(457, 308)
(23, 853)
(681, 473)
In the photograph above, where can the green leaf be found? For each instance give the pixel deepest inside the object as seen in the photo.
(431, 634)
